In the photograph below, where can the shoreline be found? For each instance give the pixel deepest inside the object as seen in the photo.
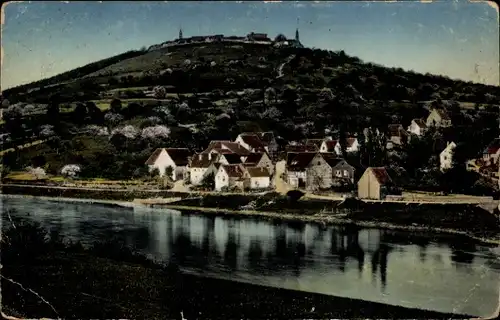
(324, 219)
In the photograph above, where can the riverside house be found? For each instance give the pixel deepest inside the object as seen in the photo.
(257, 177)
(375, 183)
(231, 176)
(260, 160)
(175, 158)
(199, 167)
(270, 143)
(296, 167)
(225, 146)
(342, 172)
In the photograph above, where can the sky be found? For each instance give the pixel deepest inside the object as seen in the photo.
(459, 39)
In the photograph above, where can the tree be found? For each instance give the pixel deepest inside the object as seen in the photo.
(169, 171)
(294, 195)
(80, 113)
(280, 38)
(208, 181)
(115, 106)
(159, 92)
(53, 113)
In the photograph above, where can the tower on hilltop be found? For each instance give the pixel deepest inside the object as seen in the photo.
(180, 33)
(297, 32)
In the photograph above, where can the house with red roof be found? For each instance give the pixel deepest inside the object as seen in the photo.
(257, 177)
(396, 136)
(251, 141)
(175, 158)
(230, 176)
(296, 167)
(200, 165)
(375, 183)
(351, 145)
(226, 146)
(492, 152)
(260, 160)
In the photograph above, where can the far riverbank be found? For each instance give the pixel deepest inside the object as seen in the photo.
(453, 219)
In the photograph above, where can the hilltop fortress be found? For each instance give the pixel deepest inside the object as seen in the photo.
(259, 38)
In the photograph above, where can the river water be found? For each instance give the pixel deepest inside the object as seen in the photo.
(433, 272)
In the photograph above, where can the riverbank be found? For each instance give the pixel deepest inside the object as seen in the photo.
(342, 217)
(127, 285)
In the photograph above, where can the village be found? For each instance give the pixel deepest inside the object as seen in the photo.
(255, 162)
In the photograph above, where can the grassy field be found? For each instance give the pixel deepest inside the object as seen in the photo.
(27, 145)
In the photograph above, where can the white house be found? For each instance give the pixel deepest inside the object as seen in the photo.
(438, 118)
(331, 146)
(417, 127)
(175, 158)
(229, 176)
(446, 156)
(351, 144)
(259, 177)
(200, 163)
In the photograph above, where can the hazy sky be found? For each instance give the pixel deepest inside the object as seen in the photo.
(459, 39)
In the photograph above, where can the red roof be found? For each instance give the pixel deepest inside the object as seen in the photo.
(350, 141)
(258, 172)
(298, 161)
(203, 160)
(314, 142)
(152, 158)
(233, 170)
(224, 146)
(232, 158)
(330, 145)
(381, 175)
(301, 148)
(443, 114)
(332, 159)
(254, 157)
(493, 147)
(253, 140)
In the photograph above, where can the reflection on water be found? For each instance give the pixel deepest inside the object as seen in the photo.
(438, 273)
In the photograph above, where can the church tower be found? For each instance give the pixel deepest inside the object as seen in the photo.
(180, 33)
(297, 32)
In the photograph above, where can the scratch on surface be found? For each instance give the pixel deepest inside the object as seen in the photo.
(32, 291)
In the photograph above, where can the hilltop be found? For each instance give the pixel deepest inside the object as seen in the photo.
(207, 91)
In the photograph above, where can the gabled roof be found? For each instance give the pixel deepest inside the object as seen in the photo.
(332, 159)
(254, 157)
(221, 146)
(256, 172)
(330, 145)
(420, 122)
(301, 148)
(442, 113)
(233, 170)
(266, 137)
(493, 147)
(232, 158)
(180, 156)
(314, 142)
(350, 141)
(298, 161)
(381, 175)
(203, 160)
(396, 130)
(253, 140)
(152, 158)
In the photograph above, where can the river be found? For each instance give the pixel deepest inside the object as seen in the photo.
(434, 272)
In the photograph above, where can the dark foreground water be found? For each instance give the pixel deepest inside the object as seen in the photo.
(440, 273)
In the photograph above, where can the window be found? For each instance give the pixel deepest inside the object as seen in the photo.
(345, 173)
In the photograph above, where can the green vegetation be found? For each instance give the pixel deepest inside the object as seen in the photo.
(215, 91)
